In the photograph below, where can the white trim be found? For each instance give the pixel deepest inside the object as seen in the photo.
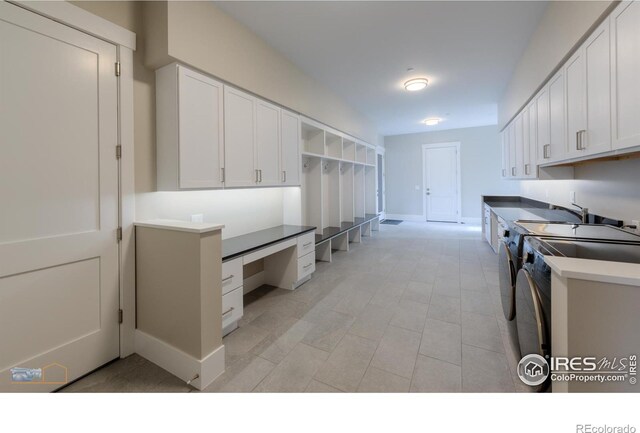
(179, 363)
(404, 217)
(471, 220)
(76, 17)
(455, 144)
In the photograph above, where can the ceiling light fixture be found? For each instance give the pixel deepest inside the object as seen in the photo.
(432, 121)
(416, 84)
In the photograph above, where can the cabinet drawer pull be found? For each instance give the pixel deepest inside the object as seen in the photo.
(228, 311)
(227, 279)
(306, 266)
(306, 245)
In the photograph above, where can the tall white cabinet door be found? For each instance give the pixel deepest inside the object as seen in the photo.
(200, 136)
(59, 291)
(530, 166)
(575, 103)
(512, 150)
(625, 70)
(597, 135)
(518, 127)
(505, 152)
(267, 143)
(557, 137)
(542, 126)
(290, 148)
(239, 138)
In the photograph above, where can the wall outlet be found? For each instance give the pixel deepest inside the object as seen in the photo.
(197, 218)
(572, 196)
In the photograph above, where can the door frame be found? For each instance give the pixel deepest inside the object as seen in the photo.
(382, 188)
(125, 42)
(425, 147)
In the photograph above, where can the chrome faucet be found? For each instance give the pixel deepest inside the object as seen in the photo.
(584, 212)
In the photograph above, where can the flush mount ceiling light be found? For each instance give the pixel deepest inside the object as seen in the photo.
(416, 84)
(432, 121)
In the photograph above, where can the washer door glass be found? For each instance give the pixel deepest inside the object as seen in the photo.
(532, 331)
(507, 274)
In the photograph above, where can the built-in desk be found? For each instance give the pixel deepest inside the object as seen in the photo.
(282, 256)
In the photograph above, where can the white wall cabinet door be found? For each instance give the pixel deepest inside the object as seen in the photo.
(518, 128)
(267, 154)
(543, 141)
(575, 88)
(239, 138)
(290, 148)
(625, 73)
(504, 135)
(512, 151)
(189, 122)
(557, 120)
(531, 128)
(597, 59)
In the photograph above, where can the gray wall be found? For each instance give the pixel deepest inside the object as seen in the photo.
(607, 188)
(479, 160)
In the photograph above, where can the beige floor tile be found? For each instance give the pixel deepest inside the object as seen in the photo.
(434, 375)
(397, 351)
(476, 302)
(319, 387)
(481, 331)
(410, 315)
(347, 363)
(485, 371)
(295, 371)
(445, 308)
(249, 377)
(281, 347)
(418, 292)
(372, 322)
(376, 380)
(354, 302)
(242, 340)
(327, 329)
(442, 340)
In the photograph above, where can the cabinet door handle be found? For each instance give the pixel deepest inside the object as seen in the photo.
(503, 172)
(546, 151)
(526, 169)
(260, 171)
(306, 266)
(513, 171)
(222, 174)
(581, 135)
(306, 245)
(228, 311)
(578, 145)
(224, 280)
(257, 176)
(284, 176)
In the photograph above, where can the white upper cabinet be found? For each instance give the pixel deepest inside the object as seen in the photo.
(557, 120)
(240, 138)
(588, 104)
(625, 75)
(189, 122)
(504, 135)
(530, 141)
(267, 154)
(517, 169)
(290, 148)
(543, 141)
(512, 150)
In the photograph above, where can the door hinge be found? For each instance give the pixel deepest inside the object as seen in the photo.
(119, 234)
(117, 69)
(120, 316)
(118, 151)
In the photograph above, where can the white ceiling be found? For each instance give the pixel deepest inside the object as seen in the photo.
(361, 50)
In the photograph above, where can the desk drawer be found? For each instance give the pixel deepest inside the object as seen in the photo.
(306, 243)
(306, 265)
(231, 275)
(231, 307)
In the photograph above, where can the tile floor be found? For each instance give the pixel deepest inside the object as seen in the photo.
(415, 308)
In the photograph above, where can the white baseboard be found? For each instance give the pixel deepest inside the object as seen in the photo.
(396, 216)
(179, 363)
(471, 220)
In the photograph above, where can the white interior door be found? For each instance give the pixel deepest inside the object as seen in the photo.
(441, 182)
(59, 189)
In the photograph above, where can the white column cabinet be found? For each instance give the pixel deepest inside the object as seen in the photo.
(625, 75)
(189, 122)
(512, 151)
(574, 72)
(504, 135)
(543, 141)
(557, 120)
(289, 148)
(267, 150)
(530, 141)
(517, 169)
(240, 138)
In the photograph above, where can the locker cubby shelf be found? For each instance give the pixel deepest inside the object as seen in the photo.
(312, 139)
(333, 145)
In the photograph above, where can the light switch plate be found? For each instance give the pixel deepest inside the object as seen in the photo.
(197, 218)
